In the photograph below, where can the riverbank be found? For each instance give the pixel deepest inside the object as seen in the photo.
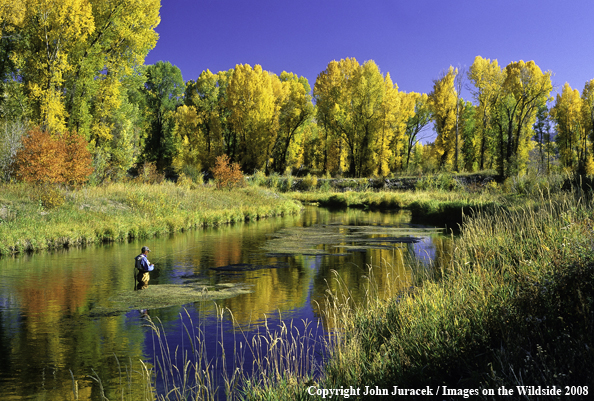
(513, 307)
(440, 200)
(33, 219)
(436, 207)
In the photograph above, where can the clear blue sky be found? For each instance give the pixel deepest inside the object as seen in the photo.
(412, 40)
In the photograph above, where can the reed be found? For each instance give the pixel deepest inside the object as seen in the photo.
(270, 363)
(512, 307)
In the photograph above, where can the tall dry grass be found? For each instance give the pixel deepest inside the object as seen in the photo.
(514, 306)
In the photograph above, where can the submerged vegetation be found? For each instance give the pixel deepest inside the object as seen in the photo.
(308, 240)
(164, 295)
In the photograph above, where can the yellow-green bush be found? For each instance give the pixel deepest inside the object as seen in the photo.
(309, 182)
(50, 197)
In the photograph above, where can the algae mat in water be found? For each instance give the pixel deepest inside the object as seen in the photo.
(313, 239)
(164, 295)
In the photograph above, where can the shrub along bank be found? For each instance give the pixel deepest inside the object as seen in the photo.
(35, 218)
(428, 206)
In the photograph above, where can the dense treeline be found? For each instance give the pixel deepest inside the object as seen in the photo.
(78, 67)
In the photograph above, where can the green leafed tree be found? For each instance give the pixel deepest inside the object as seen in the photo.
(212, 135)
(164, 90)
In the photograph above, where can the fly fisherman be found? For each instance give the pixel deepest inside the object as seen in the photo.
(143, 266)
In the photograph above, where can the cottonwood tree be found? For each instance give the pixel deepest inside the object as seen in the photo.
(588, 120)
(458, 85)
(296, 108)
(397, 108)
(417, 122)
(328, 93)
(443, 101)
(467, 127)
(487, 78)
(571, 136)
(12, 14)
(191, 147)
(542, 135)
(524, 89)
(360, 110)
(213, 135)
(254, 97)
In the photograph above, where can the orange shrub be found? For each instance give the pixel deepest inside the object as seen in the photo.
(227, 175)
(44, 159)
(77, 159)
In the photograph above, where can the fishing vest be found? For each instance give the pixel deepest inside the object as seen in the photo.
(138, 262)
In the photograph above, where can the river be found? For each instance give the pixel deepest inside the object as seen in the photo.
(53, 342)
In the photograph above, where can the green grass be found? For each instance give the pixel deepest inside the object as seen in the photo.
(514, 306)
(118, 212)
(436, 207)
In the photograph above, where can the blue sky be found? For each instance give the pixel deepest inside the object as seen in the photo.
(412, 40)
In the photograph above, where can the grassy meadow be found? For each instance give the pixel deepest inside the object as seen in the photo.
(38, 218)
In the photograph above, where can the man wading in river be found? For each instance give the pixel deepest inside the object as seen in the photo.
(144, 267)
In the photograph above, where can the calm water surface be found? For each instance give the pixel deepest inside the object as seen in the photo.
(49, 333)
